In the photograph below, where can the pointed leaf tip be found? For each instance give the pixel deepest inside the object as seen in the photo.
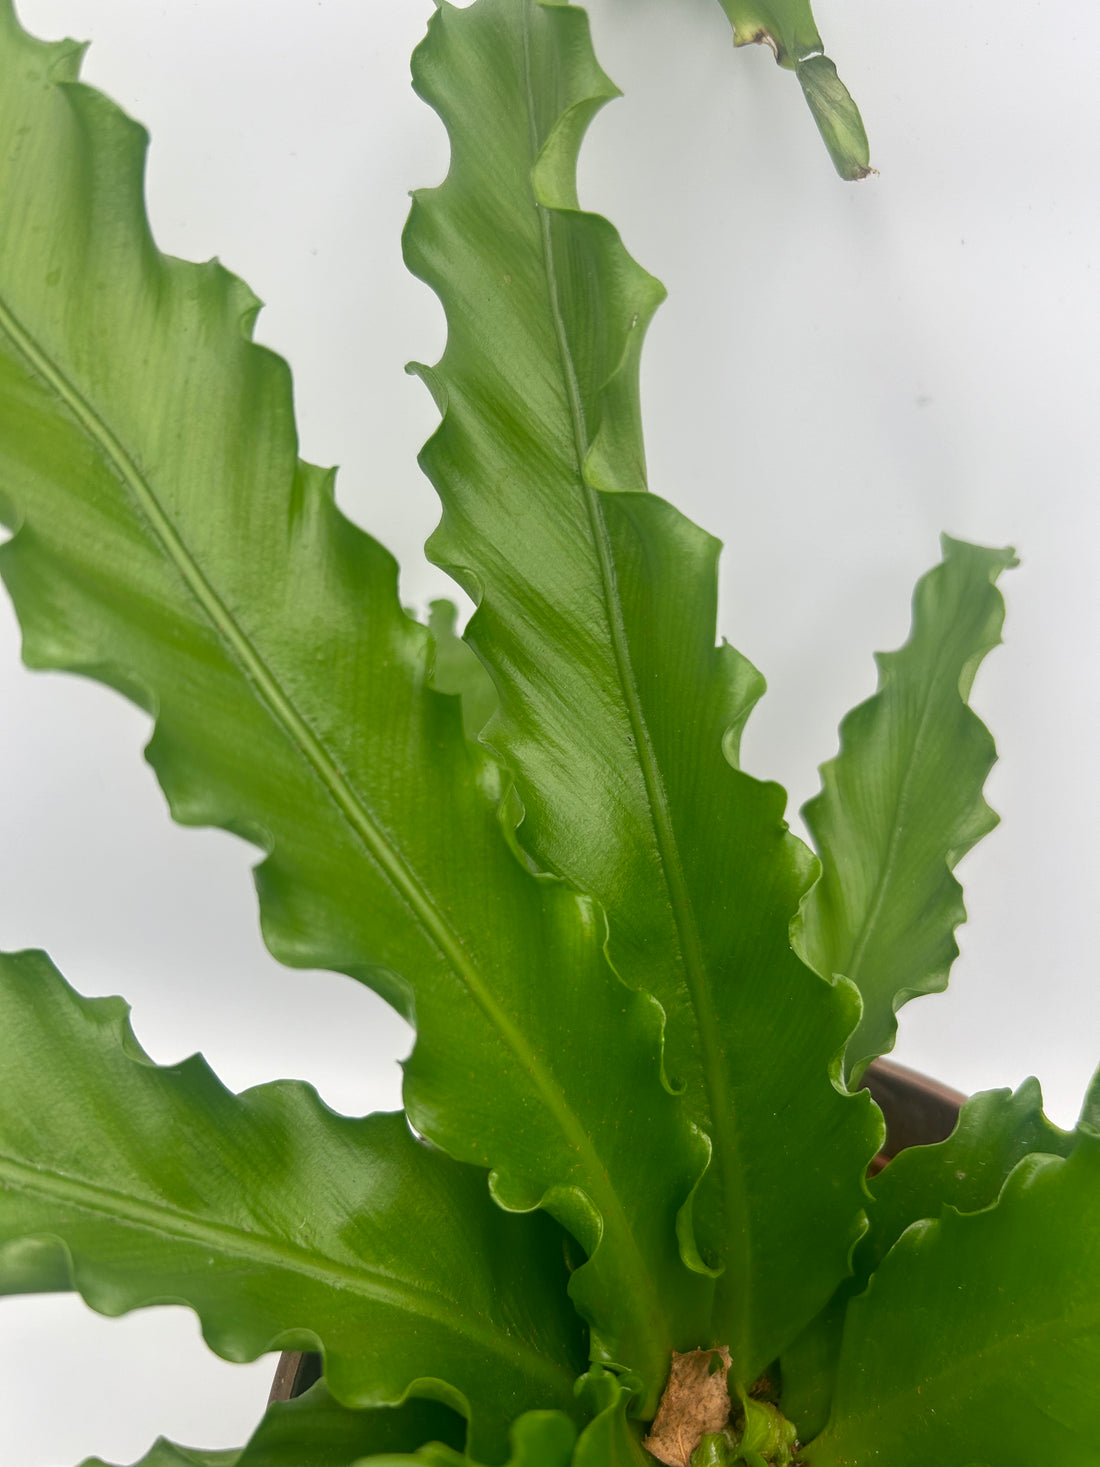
(902, 802)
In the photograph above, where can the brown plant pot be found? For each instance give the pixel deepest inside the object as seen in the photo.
(918, 1112)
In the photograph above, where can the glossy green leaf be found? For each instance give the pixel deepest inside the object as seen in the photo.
(788, 27)
(315, 1430)
(539, 1439)
(902, 803)
(456, 669)
(611, 1438)
(280, 1223)
(966, 1172)
(808, 1367)
(619, 715)
(979, 1336)
(996, 1130)
(170, 544)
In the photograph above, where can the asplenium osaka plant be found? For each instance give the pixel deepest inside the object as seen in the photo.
(626, 1213)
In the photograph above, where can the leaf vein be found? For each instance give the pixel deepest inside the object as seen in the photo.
(230, 1240)
(348, 802)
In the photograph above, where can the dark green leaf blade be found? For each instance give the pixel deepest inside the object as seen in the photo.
(966, 1172)
(996, 1130)
(170, 544)
(539, 1439)
(902, 803)
(277, 1221)
(456, 670)
(751, 1034)
(619, 715)
(979, 1337)
(788, 27)
(611, 1438)
(315, 1430)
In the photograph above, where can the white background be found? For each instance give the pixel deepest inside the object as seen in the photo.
(841, 372)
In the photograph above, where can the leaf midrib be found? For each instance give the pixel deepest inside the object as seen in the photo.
(231, 634)
(227, 1240)
(888, 869)
(423, 910)
(725, 1138)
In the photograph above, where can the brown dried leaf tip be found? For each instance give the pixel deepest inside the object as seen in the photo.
(696, 1400)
